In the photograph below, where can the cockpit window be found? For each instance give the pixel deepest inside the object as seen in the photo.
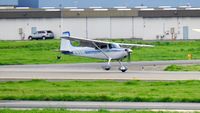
(113, 46)
(103, 46)
(107, 46)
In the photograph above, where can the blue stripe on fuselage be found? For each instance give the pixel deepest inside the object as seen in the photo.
(98, 51)
(67, 52)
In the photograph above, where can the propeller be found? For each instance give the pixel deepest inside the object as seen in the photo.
(129, 51)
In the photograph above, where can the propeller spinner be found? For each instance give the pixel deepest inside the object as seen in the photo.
(129, 51)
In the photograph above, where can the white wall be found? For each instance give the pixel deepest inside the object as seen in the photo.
(137, 27)
(76, 26)
(154, 27)
(98, 28)
(193, 24)
(121, 27)
(158, 26)
(9, 28)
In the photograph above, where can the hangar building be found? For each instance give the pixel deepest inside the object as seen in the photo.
(145, 23)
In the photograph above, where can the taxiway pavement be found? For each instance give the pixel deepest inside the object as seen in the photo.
(99, 105)
(151, 70)
(92, 71)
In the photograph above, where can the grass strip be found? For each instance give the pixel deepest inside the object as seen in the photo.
(130, 91)
(44, 52)
(68, 111)
(183, 68)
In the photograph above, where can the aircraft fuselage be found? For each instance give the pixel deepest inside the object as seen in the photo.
(115, 53)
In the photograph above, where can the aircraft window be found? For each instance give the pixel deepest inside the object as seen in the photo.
(113, 46)
(75, 43)
(103, 46)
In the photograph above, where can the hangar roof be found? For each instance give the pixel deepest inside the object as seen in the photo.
(99, 12)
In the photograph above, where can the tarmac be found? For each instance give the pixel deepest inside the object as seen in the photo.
(152, 70)
(99, 105)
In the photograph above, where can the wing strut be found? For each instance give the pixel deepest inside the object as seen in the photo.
(101, 51)
(108, 66)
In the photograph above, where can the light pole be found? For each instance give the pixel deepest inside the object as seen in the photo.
(61, 17)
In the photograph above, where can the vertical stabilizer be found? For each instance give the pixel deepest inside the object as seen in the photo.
(65, 45)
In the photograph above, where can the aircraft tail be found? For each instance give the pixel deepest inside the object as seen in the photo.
(66, 45)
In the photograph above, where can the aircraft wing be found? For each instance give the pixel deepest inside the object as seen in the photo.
(90, 43)
(135, 45)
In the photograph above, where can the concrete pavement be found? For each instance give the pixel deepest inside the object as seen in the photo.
(99, 105)
(151, 70)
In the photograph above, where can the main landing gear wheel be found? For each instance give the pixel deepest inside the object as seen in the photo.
(123, 68)
(106, 67)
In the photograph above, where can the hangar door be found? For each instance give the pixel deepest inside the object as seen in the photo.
(185, 33)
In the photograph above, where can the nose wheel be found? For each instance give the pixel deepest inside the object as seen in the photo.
(123, 68)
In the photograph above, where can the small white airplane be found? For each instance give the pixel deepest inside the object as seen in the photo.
(98, 49)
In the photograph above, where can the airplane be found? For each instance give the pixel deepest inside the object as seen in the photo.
(98, 49)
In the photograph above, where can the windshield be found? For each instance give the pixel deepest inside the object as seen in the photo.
(114, 46)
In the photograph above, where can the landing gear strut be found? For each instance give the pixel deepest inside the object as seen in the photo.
(107, 67)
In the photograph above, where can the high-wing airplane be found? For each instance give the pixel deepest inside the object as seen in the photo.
(98, 49)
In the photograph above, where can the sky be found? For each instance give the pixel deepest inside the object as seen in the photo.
(109, 3)
(8, 2)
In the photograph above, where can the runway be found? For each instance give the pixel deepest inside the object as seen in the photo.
(99, 105)
(92, 71)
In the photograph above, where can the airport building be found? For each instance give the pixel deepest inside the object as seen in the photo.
(94, 23)
(21, 18)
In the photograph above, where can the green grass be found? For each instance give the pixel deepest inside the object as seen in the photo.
(131, 91)
(44, 52)
(183, 68)
(67, 111)
(35, 52)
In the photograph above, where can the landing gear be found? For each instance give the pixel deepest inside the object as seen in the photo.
(122, 67)
(107, 67)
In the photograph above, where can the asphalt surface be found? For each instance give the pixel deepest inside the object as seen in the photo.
(93, 71)
(98, 105)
